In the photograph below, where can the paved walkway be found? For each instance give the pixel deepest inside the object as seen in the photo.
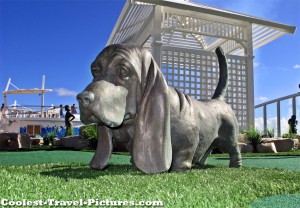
(291, 163)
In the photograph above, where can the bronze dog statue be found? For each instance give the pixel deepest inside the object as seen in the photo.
(162, 128)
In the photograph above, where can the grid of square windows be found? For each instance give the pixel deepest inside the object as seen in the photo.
(197, 74)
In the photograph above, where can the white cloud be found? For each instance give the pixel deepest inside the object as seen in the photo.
(272, 124)
(297, 66)
(65, 92)
(259, 123)
(256, 64)
(262, 99)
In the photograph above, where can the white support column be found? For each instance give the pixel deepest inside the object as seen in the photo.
(265, 116)
(278, 120)
(250, 77)
(156, 34)
(42, 97)
(6, 89)
(7, 85)
(294, 105)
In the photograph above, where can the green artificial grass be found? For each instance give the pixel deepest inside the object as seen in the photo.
(41, 157)
(213, 186)
(66, 176)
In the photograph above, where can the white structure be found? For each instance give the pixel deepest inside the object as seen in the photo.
(18, 91)
(182, 37)
(33, 119)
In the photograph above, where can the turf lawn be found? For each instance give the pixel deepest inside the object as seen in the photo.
(266, 181)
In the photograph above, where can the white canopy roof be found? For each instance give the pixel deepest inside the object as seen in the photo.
(136, 16)
(27, 91)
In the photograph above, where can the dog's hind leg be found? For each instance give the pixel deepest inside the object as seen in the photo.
(231, 147)
(235, 156)
(228, 142)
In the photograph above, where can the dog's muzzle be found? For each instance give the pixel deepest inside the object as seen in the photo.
(85, 98)
(103, 102)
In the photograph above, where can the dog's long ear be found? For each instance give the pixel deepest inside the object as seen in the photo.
(152, 149)
(104, 148)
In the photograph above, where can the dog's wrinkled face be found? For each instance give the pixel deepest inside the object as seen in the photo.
(110, 98)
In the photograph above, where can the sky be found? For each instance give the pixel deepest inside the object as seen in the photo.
(60, 39)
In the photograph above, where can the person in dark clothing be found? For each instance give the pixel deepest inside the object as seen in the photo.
(3, 110)
(73, 109)
(69, 117)
(292, 124)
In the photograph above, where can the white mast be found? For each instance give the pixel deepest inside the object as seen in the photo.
(5, 98)
(42, 97)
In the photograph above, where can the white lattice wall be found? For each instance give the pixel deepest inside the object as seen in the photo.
(197, 73)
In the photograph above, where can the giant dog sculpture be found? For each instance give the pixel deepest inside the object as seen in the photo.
(162, 128)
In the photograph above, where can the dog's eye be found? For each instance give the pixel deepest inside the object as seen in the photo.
(96, 71)
(123, 73)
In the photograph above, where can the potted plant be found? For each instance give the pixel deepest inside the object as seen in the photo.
(49, 137)
(254, 137)
(90, 132)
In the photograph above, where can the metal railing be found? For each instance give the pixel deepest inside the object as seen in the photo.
(32, 111)
(278, 101)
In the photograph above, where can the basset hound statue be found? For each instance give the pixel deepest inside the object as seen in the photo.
(162, 128)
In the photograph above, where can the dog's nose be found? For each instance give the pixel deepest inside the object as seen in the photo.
(85, 98)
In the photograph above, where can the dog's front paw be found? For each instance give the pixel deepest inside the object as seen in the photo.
(96, 164)
(181, 167)
(180, 170)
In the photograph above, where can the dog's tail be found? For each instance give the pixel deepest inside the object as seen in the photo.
(223, 78)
